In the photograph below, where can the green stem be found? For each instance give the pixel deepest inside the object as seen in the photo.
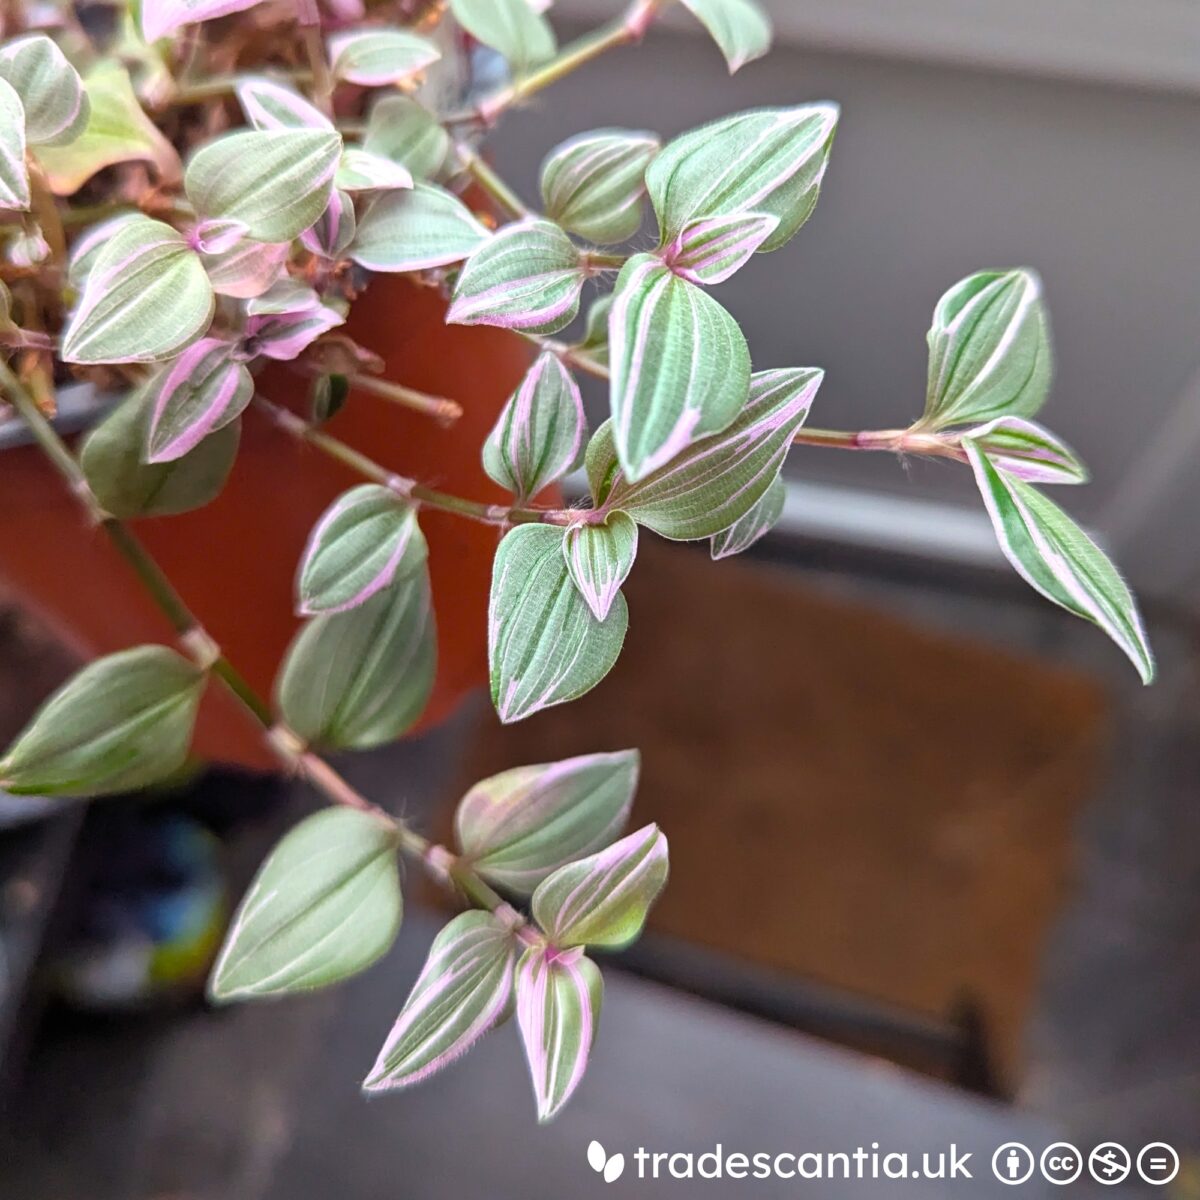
(225, 85)
(410, 489)
(442, 410)
(484, 175)
(319, 773)
(631, 27)
(571, 356)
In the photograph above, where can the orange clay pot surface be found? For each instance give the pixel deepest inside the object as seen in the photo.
(234, 561)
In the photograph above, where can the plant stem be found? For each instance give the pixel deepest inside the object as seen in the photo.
(890, 441)
(630, 27)
(571, 356)
(226, 85)
(291, 751)
(442, 410)
(484, 175)
(410, 489)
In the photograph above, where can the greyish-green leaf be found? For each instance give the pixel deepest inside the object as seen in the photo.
(357, 679)
(113, 459)
(545, 645)
(145, 298)
(756, 524)
(277, 182)
(122, 723)
(512, 27)
(768, 161)
(600, 556)
(523, 824)
(324, 906)
(56, 106)
(406, 132)
(593, 183)
(680, 366)
(1055, 557)
(416, 230)
(366, 540)
(741, 28)
(14, 178)
(989, 350)
(716, 481)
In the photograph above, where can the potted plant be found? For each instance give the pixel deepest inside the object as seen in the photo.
(291, 165)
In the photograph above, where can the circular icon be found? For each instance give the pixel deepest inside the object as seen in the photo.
(1061, 1163)
(1013, 1163)
(1158, 1163)
(1109, 1163)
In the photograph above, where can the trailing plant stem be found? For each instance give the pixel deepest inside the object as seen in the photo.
(291, 751)
(409, 489)
(438, 407)
(486, 177)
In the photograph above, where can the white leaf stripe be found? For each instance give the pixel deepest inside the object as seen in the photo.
(603, 900)
(1055, 557)
(55, 105)
(717, 480)
(1028, 451)
(14, 181)
(710, 250)
(464, 990)
(599, 559)
(378, 56)
(201, 392)
(416, 230)
(545, 646)
(739, 27)
(539, 436)
(680, 366)
(756, 524)
(521, 825)
(269, 105)
(558, 1007)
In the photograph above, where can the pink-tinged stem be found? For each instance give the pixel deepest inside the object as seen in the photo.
(290, 749)
(631, 27)
(410, 489)
(890, 441)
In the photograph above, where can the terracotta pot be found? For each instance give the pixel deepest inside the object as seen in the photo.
(234, 561)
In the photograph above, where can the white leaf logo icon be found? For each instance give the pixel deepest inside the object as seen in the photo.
(615, 1166)
(596, 1156)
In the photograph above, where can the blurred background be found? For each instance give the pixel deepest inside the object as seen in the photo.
(935, 853)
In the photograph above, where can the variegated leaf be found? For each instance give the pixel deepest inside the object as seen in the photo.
(718, 480)
(362, 171)
(529, 277)
(14, 178)
(989, 350)
(512, 27)
(603, 900)
(122, 723)
(406, 132)
(680, 366)
(283, 336)
(600, 557)
(126, 486)
(270, 105)
(56, 106)
(416, 230)
(247, 269)
(88, 245)
(540, 435)
(366, 540)
(594, 347)
(357, 679)
(545, 646)
(378, 56)
(559, 995)
(593, 183)
(334, 230)
(520, 826)
(286, 295)
(200, 392)
(163, 17)
(769, 161)
(1055, 557)
(28, 250)
(756, 524)
(146, 297)
(741, 28)
(464, 990)
(324, 906)
(117, 131)
(1028, 450)
(711, 249)
(276, 181)
(216, 236)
